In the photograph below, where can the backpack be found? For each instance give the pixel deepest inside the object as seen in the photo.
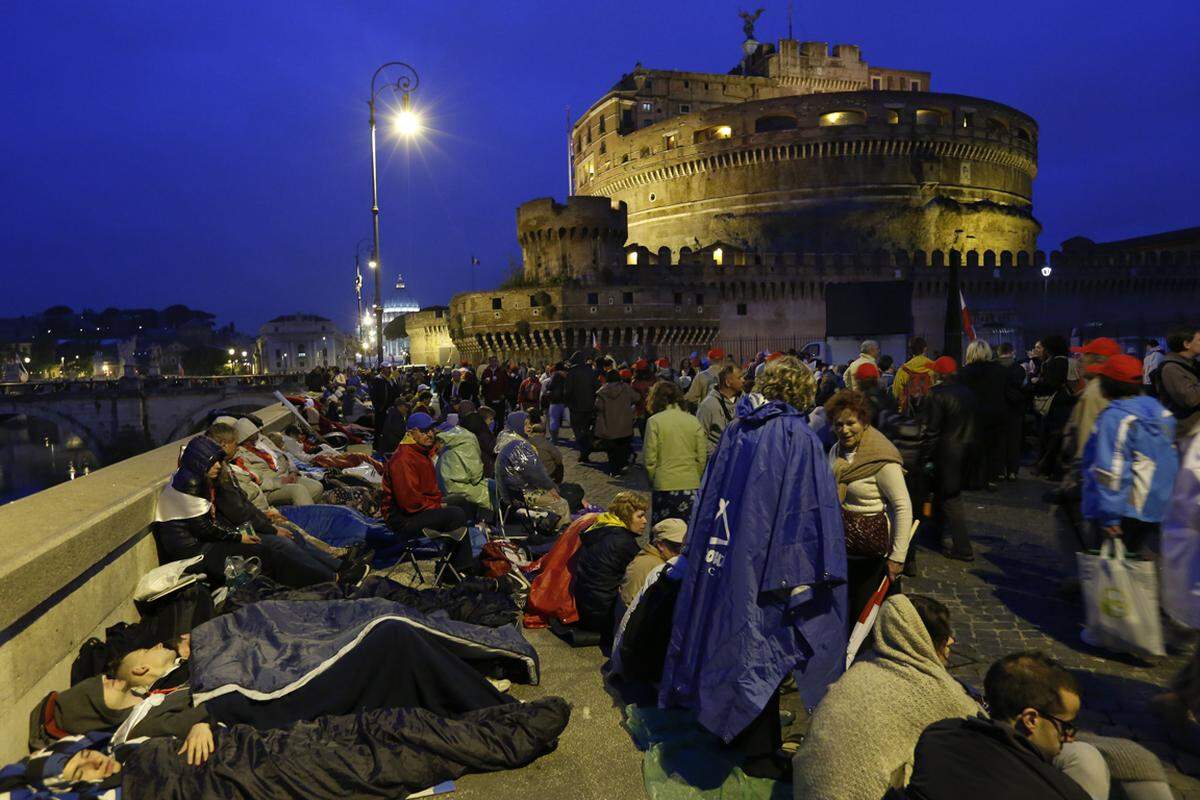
(917, 386)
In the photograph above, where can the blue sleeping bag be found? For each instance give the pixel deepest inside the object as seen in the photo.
(341, 527)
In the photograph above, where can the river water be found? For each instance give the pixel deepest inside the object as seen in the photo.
(35, 455)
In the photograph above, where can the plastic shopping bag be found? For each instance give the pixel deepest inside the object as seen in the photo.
(1121, 601)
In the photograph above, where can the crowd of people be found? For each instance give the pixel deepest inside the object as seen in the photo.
(787, 499)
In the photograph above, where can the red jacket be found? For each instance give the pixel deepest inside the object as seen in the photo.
(550, 593)
(410, 483)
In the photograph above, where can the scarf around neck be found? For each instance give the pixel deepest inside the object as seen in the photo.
(874, 452)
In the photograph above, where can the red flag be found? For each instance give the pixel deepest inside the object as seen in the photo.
(968, 328)
(866, 620)
(595, 341)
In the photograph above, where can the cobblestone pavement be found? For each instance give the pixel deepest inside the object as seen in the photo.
(1006, 600)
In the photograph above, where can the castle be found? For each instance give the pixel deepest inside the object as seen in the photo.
(804, 196)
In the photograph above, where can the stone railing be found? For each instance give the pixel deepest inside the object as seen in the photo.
(70, 557)
(164, 383)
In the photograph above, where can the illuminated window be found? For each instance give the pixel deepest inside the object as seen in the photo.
(929, 116)
(718, 256)
(669, 141)
(833, 118)
(968, 119)
(631, 258)
(723, 131)
(893, 116)
(647, 106)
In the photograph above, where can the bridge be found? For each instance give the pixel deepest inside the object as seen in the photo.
(123, 416)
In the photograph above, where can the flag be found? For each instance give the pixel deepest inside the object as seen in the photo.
(474, 261)
(968, 329)
(595, 341)
(866, 620)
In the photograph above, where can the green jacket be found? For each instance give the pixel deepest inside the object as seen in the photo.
(675, 451)
(460, 466)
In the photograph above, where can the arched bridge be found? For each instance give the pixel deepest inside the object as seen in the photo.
(116, 418)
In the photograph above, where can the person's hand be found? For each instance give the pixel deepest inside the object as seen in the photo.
(894, 568)
(1112, 531)
(273, 514)
(198, 745)
(250, 538)
(184, 648)
(284, 532)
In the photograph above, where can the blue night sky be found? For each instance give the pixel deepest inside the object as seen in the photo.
(216, 154)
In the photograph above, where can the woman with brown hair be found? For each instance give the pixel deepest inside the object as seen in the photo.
(876, 510)
(675, 453)
(605, 550)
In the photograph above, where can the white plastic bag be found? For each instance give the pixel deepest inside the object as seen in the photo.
(1121, 601)
(165, 578)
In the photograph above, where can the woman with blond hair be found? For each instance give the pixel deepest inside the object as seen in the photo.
(675, 452)
(762, 593)
(605, 550)
(987, 380)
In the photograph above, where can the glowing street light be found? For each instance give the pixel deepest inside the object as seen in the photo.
(406, 124)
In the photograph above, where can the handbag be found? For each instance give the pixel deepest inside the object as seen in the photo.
(867, 535)
(1042, 403)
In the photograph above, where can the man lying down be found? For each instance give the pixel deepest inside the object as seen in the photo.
(379, 753)
(163, 691)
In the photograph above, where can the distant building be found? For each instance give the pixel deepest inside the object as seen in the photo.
(299, 342)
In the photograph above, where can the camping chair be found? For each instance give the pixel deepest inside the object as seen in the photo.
(436, 546)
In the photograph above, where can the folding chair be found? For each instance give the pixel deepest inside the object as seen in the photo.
(436, 546)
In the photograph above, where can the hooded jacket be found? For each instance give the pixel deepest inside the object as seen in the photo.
(410, 485)
(921, 363)
(605, 550)
(614, 410)
(862, 735)
(764, 591)
(518, 467)
(1130, 462)
(460, 466)
(184, 519)
(1179, 389)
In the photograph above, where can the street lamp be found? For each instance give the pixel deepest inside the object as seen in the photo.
(1046, 271)
(358, 276)
(407, 124)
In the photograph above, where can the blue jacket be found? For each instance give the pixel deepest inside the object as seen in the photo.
(764, 589)
(1129, 462)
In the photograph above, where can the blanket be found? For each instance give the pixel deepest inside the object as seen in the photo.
(266, 650)
(550, 594)
(341, 527)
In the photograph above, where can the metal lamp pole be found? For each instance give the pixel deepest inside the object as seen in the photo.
(358, 323)
(405, 84)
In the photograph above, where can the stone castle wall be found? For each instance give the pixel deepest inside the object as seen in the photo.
(571, 240)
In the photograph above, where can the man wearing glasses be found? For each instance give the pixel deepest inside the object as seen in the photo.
(1026, 750)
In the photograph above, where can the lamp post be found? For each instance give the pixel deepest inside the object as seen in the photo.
(407, 125)
(1046, 272)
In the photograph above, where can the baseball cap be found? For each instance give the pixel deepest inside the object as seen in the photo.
(420, 421)
(672, 530)
(866, 371)
(1102, 346)
(716, 354)
(945, 365)
(1121, 368)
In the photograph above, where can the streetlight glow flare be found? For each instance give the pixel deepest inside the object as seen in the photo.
(407, 123)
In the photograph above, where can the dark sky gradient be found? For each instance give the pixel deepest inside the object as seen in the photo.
(216, 153)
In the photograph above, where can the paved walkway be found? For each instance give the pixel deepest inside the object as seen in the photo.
(1006, 600)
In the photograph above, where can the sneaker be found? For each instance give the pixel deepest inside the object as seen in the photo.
(500, 684)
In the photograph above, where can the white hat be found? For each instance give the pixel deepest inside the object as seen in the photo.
(246, 429)
(671, 530)
(230, 421)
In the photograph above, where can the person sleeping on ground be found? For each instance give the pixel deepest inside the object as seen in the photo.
(148, 691)
(384, 753)
(186, 526)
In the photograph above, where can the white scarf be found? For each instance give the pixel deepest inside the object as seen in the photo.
(174, 504)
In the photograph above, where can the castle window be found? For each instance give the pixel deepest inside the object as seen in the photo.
(625, 158)
(497, 303)
(603, 148)
(929, 116)
(842, 118)
(669, 141)
(679, 298)
(718, 256)
(775, 123)
(578, 144)
(649, 83)
(893, 116)
(699, 298)
(722, 131)
(1023, 134)
(593, 298)
(741, 309)
(653, 197)
(602, 124)
(968, 119)
(631, 258)
(589, 135)
(706, 87)
(626, 297)
(914, 86)
(533, 302)
(876, 82)
(685, 108)
(645, 152)
(687, 84)
(647, 106)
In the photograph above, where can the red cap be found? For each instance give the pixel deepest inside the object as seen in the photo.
(1121, 368)
(626, 373)
(641, 364)
(716, 354)
(945, 366)
(664, 362)
(1102, 346)
(775, 355)
(867, 371)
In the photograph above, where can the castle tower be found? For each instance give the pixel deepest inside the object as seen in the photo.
(576, 240)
